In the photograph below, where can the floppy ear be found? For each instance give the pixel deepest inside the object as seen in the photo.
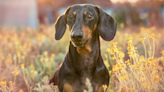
(107, 25)
(60, 25)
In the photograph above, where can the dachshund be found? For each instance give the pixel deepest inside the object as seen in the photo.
(83, 61)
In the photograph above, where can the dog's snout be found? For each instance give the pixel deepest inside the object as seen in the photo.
(77, 35)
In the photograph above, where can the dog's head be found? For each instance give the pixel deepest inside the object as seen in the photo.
(83, 20)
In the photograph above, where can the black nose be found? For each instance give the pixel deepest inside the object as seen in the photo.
(77, 35)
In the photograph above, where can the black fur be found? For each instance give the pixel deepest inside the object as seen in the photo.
(76, 66)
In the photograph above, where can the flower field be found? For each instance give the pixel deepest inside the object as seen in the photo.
(29, 58)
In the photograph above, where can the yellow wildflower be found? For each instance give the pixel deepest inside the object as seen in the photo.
(114, 43)
(147, 64)
(16, 72)
(123, 65)
(146, 34)
(156, 78)
(45, 52)
(22, 65)
(132, 56)
(127, 61)
(142, 78)
(143, 70)
(104, 87)
(123, 70)
(2, 83)
(132, 88)
(2, 57)
(130, 53)
(136, 52)
(122, 55)
(142, 39)
(131, 48)
(138, 69)
(10, 82)
(122, 88)
(132, 66)
(108, 49)
(154, 61)
(162, 52)
(115, 50)
(24, 53)
(51, 58)
(112, 52)
(129, 42)
(52, 55)
(141, 57)
(118, 91)
(130, 38)
(111, 90)
(33, 73)
(46, 59)
(155, 72)
(18, 54)
(41, 59)
(113, 58)
(147, 83)
(106, 55)
(8, 60)
(121, 78)
(125, 77)
(161, 58)
(109, 72)
(21, 90)
(32, 66)
(116, 68)
(149, 52)
(152, 35)
(139, 63)
(144, 61)
(134, 48)
(119, 61)
(144, 85)
(150, 59)
(106, 63)
(9, 54)
(22, 56)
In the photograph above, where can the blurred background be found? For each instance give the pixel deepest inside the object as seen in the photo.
(35, 12)
(29, 54)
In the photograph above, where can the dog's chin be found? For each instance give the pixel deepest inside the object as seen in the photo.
(79, 44)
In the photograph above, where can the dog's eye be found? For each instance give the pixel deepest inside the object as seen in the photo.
(90, 16)
(70, 17)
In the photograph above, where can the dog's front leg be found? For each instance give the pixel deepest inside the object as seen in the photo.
(71, 83)
(100, 77)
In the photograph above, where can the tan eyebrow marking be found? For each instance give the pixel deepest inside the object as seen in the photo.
(74, 13)
(85, 12)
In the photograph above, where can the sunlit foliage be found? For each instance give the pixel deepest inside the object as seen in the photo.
(28, 58)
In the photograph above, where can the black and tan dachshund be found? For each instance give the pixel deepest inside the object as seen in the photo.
(83, 61)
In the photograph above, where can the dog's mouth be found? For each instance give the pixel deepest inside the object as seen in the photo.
(79, 43)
